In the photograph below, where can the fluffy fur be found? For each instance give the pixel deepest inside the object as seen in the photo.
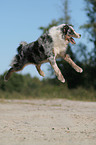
(47, 48)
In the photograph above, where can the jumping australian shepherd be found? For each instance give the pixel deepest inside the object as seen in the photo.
(47, 48)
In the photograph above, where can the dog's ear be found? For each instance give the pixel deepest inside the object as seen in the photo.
(71, 25)
(64, 29)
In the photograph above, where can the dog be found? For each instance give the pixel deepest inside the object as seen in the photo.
(46, 48)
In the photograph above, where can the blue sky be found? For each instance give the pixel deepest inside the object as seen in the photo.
(20, 20)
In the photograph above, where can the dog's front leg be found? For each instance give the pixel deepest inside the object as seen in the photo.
(71, 62)
(56, 69)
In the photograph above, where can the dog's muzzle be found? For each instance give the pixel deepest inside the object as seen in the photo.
(77, 35)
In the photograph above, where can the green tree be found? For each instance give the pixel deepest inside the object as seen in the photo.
(90, 27)
(64, 19)
(65, 9)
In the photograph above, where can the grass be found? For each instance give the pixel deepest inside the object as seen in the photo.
(53, 91)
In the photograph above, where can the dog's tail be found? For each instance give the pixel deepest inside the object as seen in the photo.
(20, 54)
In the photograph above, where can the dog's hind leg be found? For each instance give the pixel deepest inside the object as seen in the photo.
(56, 69)
(39, 70)
(16, 68)
(7, 76)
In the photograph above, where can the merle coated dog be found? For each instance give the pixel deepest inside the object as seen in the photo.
(47, 48)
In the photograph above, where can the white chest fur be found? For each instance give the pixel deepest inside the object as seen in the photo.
(59, 44)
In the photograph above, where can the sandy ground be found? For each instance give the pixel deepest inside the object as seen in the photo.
(47, 122)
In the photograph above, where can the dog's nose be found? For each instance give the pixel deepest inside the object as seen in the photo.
(80, 35)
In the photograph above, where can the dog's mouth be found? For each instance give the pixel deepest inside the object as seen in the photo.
(72, 40)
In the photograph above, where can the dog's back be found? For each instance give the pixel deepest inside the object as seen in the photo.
(34, 53)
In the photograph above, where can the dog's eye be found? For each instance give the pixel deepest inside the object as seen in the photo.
(70, 31)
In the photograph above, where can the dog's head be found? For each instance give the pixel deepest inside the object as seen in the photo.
(69, 33)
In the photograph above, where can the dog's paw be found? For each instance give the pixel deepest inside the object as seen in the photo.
(61, 78)
(5, 78)
(63, 81)
(42, 74)
(79, 70)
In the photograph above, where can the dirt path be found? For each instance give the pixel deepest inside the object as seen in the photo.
(47, 122)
